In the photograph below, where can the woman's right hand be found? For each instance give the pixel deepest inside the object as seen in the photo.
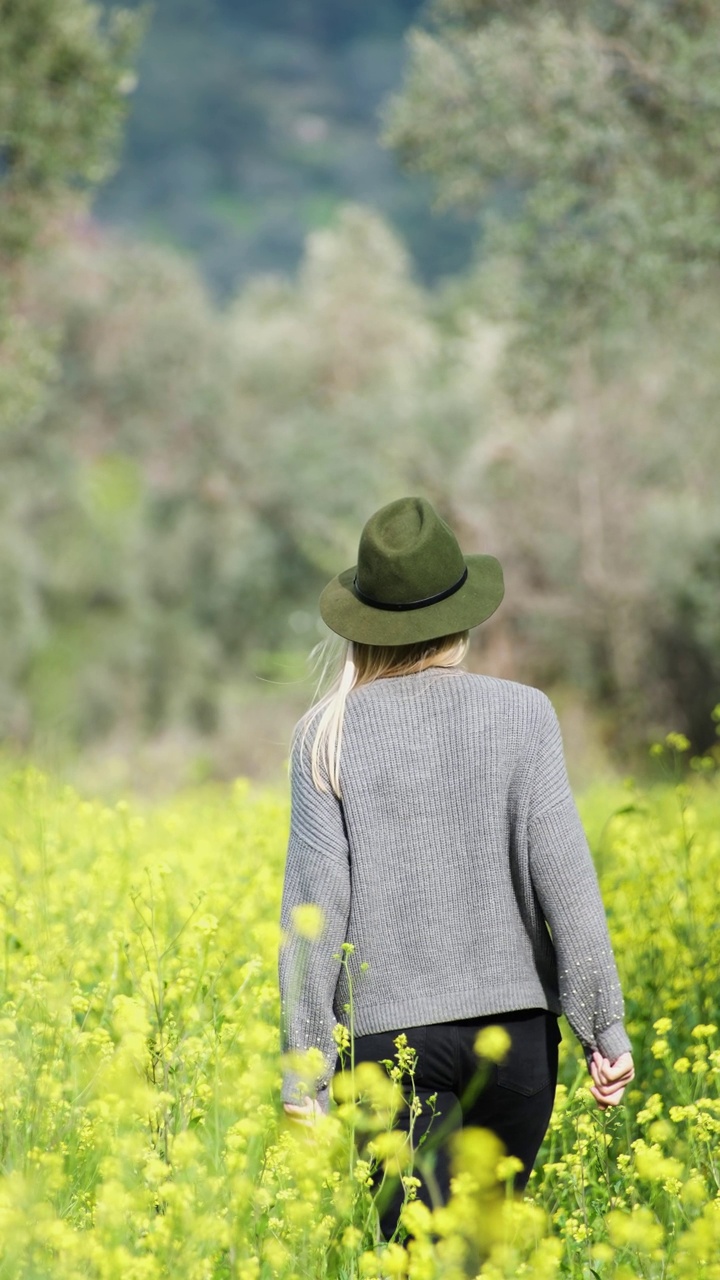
(610, 1079)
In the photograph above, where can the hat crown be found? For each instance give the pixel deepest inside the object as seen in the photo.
(407, 553)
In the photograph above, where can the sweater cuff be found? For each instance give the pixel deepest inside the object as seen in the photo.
(612, 1041)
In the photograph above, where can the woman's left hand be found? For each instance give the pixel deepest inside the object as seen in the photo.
(610, 1079)
(305, 1113)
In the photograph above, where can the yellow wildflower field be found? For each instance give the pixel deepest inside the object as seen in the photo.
(141, 1132)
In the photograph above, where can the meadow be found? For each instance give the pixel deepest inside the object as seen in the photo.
(141, 1132)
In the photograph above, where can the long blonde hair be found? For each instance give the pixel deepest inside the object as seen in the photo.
(349, 665)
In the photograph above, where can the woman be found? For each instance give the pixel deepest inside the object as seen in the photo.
(433, 823)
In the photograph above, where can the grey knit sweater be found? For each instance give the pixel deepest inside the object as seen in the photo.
(456, 843)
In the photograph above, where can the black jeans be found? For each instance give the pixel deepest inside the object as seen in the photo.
(515, 1102)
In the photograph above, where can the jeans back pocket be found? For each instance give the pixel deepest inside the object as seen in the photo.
(530, 1063)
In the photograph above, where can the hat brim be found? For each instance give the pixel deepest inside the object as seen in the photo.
(476, 600)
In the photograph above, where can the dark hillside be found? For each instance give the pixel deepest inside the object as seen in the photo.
(252, 121)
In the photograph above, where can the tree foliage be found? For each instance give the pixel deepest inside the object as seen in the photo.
(176, 504)
(64, 77)
(594, 126)
(199, 474)
(598, 122)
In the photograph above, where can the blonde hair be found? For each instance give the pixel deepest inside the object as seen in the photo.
(348, 667)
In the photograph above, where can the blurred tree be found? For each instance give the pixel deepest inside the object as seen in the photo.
(198, 474)
(64, 78)
(202, 466)
(600, 121)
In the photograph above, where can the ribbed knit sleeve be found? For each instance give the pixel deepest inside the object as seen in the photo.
(566, 883)
(317, 872)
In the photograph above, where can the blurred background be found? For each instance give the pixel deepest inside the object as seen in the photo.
(267, 266)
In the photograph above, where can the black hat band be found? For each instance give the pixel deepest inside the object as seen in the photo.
(411, 604)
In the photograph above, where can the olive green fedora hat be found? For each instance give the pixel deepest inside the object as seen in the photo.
(411, 582)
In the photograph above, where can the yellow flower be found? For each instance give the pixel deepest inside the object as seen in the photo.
(639, 1229)
(698, 1050)
(694, 1192)
(416, 1218)
(475, 1153)
(652, 1108)
(369, 1082)
(578, 1231)
(683, 1113)
(492, 1043)
(394, 1260)
(654, 1166)
(681, 1066)
(341, 1035)
(660, 1131)
(507, 1166)
(704, 1031)
(677, 742)
(660, 1048)
(393, 1148)
(308, 919)
(207, 924)
(370, 1265)
(662, 1026)
(362, 1171)
(700, 1244)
